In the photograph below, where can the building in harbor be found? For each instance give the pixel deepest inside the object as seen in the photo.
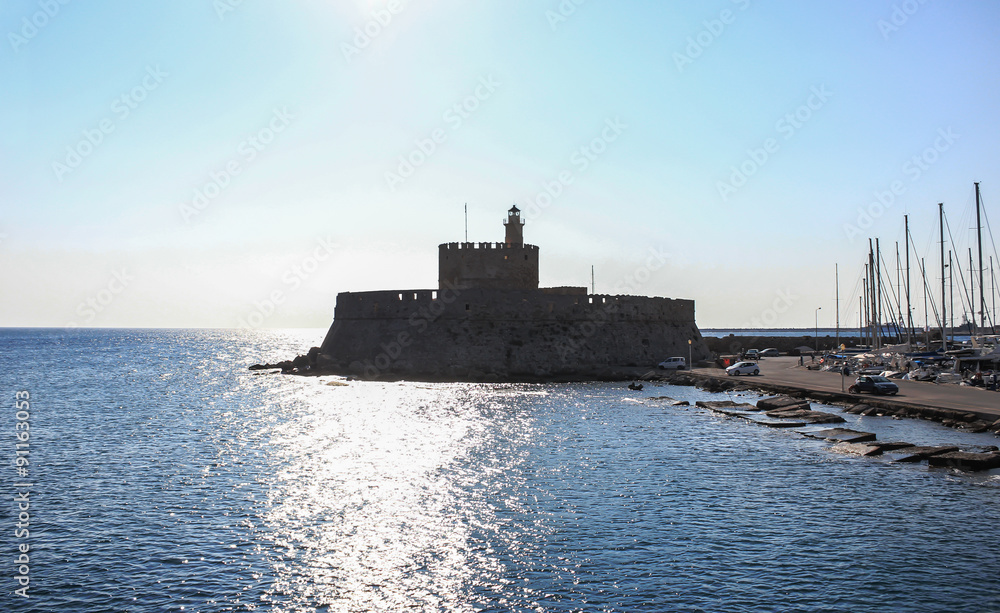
(489, 320)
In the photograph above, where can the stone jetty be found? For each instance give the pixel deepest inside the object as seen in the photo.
(965, 460)
(981, 411)
(794, 413)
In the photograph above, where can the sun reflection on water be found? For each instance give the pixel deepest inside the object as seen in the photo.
(373, 504)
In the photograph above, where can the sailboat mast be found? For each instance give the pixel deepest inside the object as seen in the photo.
(868, 299)
(927, 326)
(836, 276)
(909, 316)
(979, 237)
(951, 298)
(993, 294)
(944, 339)
(899, 292)
(861, 319)
(972, 301)
(868, 303)
(878, 293)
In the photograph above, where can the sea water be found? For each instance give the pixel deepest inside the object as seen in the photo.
(165, 476)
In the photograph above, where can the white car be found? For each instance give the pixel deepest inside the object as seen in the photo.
(743, 368)
(673, 364)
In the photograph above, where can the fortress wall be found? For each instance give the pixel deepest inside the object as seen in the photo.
(456, 303)
(382, 304)
(472, 333)
(488, 265)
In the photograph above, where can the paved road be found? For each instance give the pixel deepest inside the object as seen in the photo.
(786, 371)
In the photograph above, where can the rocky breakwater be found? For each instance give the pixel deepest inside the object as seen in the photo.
(300, 365)
(965, 421)
(779, 412)
(788, 345)
(793, 412)
(960, 420)
(786, 407)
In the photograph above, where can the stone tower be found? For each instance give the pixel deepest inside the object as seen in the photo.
(508, 265)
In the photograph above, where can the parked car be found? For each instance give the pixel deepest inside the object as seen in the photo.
(873, 384)
(673, 364)
(743, 368)
(770, 352)
(751, 354)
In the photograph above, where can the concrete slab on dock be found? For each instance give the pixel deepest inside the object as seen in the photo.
(842, 435)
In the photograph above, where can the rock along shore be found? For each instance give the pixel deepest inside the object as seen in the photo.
(313, 365)
(969, 421)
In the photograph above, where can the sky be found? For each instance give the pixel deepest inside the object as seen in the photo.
(227, 163)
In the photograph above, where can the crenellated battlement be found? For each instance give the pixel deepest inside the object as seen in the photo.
(498, 246)
(484, 304)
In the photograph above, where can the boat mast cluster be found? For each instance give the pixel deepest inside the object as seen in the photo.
(885, 309)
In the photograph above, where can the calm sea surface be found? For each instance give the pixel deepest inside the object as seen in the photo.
(167, 477)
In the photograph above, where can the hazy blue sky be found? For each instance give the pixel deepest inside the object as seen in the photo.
(189, 163)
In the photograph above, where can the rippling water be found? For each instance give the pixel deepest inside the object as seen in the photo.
(167, 477)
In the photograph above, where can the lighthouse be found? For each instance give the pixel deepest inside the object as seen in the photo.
(514, 227)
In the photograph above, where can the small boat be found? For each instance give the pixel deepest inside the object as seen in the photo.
(635, 386)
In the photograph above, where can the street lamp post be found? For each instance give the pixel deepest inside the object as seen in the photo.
(817, 328)
(690, 365)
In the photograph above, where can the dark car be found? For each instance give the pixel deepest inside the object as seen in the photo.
(874, 384)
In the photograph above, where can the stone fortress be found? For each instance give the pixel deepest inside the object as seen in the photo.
(489, 321)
